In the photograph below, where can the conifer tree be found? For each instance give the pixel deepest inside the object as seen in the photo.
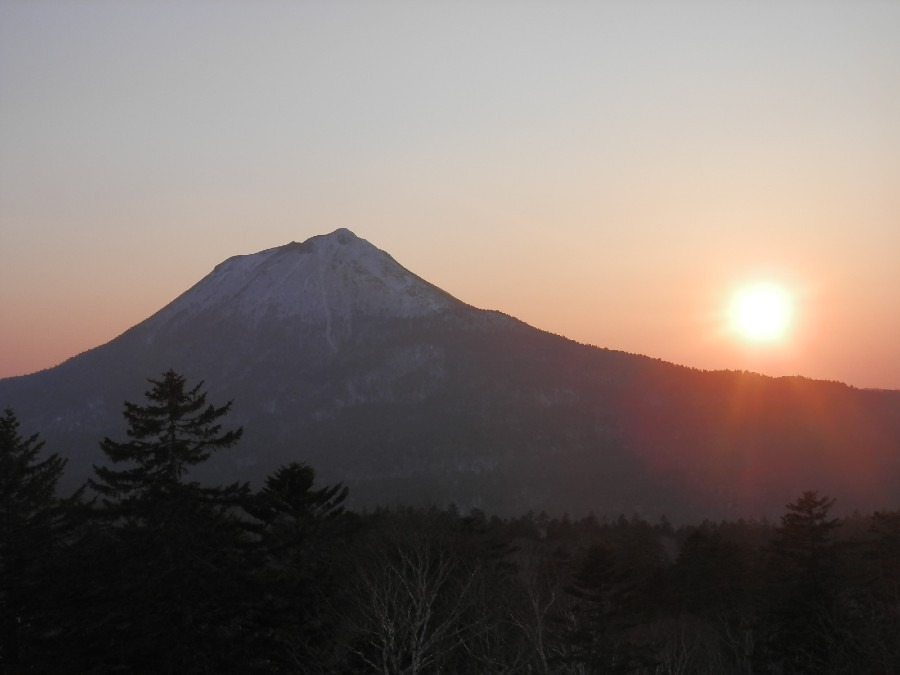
(31, 518)
(303, 531)
(805, 582)
(174, 432)
(175, 577)
(805, 540)
(291, 509)
(880, 596)
(600, 638)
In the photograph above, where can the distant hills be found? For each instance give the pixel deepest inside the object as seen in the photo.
(336, 355)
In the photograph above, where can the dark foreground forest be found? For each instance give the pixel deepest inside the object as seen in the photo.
(145, 571)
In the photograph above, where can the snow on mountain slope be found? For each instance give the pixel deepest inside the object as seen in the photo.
(326, 280)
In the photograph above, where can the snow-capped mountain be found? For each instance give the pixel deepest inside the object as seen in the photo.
(298, 305)
(336, 355)
(326, 282)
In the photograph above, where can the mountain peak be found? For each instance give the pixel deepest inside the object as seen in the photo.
(340, 237)
(326, 280)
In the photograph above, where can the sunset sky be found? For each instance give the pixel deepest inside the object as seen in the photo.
(615, 172)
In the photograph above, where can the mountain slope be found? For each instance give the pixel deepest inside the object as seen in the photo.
(336, 355)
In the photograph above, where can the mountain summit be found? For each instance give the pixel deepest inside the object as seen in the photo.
(326, 282)
(337, 356)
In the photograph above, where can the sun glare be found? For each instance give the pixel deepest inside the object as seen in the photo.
(761, 312)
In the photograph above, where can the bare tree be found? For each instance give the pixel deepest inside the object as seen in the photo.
(543, 575)
(411, 601)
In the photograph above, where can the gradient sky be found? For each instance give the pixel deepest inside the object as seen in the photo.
(608, 171)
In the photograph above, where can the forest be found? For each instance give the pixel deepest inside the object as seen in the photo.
(144, 570)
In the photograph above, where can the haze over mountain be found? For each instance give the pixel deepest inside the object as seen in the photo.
(336, 355)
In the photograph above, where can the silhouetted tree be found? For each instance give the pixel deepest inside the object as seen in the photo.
(301, 530)
(173, 432)
(177, 592)
(601, 638)
(877, 598)
(804, 573)
(714, 580)
(291, 510)
(32, 519)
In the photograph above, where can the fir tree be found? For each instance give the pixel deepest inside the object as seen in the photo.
(805, 582)
(291, 509)
(31, 522)
(175, 431)
(600, 640)
(805, 540)
(175, 580)
(303, 533)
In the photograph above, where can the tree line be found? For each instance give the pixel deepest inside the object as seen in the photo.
(144, 570)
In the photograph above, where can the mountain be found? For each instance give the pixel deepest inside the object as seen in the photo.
(336, 355)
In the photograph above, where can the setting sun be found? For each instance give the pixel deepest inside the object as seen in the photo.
(761, 312)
